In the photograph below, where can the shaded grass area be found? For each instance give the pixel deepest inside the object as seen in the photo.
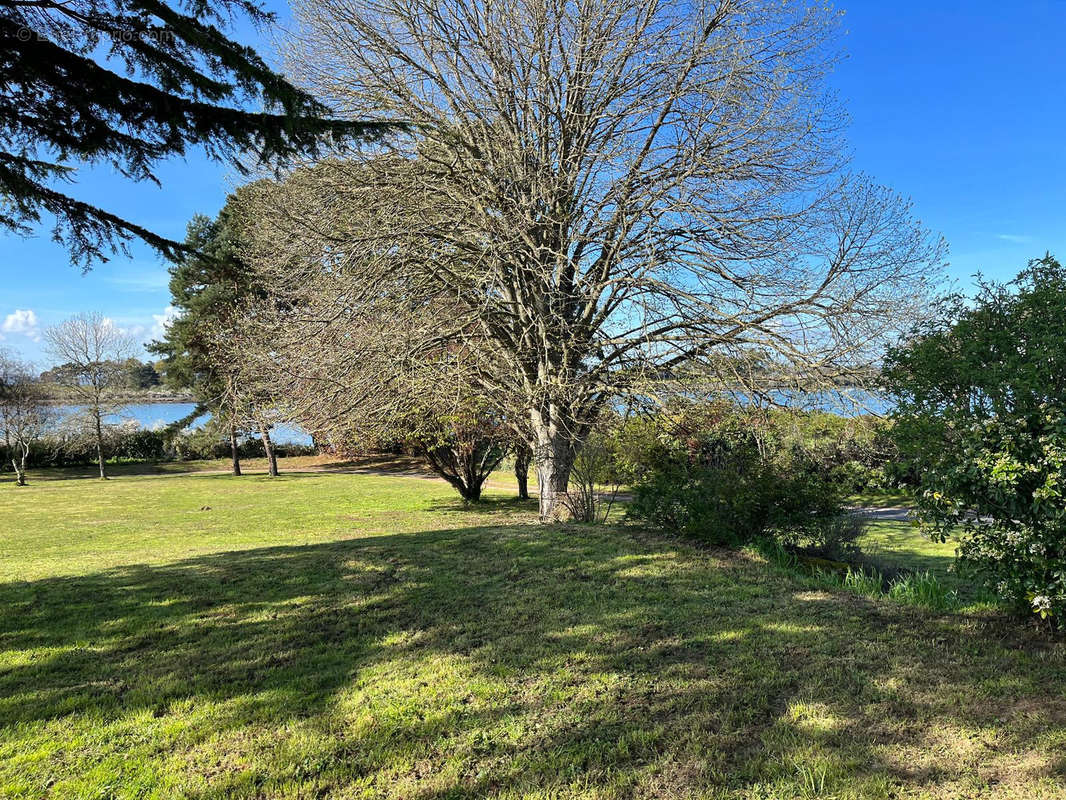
(340, 636)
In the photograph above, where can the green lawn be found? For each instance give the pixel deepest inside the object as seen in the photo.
(892, 544)
(902, 544)
(330, 635)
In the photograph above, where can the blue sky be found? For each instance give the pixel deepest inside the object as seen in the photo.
(959, 105)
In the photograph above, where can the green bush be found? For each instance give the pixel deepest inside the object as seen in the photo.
(981, 425)
(856, 452)
(730, 506)
(139, 445)
(834, 536)
(723, 474)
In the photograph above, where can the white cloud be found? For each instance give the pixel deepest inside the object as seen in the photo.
(1014, 238)
(162, 321)
(24, 322)
(134, 331)
(108, 323)
(143, 332)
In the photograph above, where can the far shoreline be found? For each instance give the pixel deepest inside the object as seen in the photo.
(136, 398)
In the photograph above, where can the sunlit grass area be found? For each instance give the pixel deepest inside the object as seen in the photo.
(890, 545)
(900, 542)
(335, 635)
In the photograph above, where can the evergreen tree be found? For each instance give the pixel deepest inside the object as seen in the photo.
(207, 286)
(127, 83)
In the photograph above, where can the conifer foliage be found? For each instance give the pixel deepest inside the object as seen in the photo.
(128, 83)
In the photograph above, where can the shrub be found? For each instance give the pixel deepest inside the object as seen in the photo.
(721, 474)
(69, 447)
(732, 507)
(594, 480)
(981, 425)
(139, 445)
(856, 452)
(834, 536)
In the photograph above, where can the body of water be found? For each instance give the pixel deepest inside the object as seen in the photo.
(846, 403)
(153, 416)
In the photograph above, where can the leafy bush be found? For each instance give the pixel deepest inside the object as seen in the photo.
(856, 452)
(139, 445)
(981, 424)
(833, 536)
(722, 474)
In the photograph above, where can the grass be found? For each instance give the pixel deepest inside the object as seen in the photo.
(901, 543)
(331, 635)
(890, 545)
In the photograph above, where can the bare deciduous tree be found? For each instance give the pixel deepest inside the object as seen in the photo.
(92, 347)
(606, 192)
(24, 412)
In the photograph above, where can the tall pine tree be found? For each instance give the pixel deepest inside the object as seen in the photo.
(207, 285)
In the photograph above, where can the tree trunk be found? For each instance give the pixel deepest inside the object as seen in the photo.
(268, 446)
(234, 449)
(20, 471)
(471, 493)
(20, 474)
(523, 455)
(99, 443)
(553, 457)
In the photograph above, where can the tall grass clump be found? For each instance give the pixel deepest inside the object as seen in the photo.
(870, 584)
(923, 589)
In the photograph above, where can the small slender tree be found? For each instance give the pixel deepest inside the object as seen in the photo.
(523, 455)
(92, 349)
(24, 412)
(463, 445)
(249, 395)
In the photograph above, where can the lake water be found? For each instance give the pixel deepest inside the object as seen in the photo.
(158, 415)
(846, 403)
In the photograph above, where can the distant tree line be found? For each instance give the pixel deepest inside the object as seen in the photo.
(131, 373)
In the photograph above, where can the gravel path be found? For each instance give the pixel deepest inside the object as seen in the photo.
(887, 513)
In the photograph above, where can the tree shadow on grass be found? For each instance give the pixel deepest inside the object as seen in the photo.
(488, 506)
(487, 660)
